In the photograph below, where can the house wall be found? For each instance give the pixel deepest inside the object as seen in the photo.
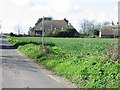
(99, 33)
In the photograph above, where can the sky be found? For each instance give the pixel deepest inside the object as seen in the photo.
(25, 13)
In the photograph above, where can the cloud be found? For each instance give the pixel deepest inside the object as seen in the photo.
(27, 12)
(115, 8)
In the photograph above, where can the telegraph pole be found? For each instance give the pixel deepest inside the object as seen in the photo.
(43, 32)
(119, 30)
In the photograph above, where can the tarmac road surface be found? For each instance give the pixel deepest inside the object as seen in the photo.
(17, 71)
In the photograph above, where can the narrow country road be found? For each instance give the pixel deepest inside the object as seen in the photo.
(18, 72)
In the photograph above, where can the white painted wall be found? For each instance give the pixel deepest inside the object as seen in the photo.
(99, 33)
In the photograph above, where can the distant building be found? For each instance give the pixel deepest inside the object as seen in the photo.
(50, 24)
(109, 31)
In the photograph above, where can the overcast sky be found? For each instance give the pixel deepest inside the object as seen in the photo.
(26, 12)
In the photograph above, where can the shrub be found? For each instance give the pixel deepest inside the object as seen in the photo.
(62, 33)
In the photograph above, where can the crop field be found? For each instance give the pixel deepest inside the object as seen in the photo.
(87, 62)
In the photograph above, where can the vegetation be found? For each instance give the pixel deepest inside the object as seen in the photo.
(62, 33)
(91, 28)
(82, 60)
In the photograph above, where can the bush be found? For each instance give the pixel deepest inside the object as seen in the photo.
(12, 34)
(48, 33)
(62, 33)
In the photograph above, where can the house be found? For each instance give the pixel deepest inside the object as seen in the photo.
(50, 24)
(109, 31)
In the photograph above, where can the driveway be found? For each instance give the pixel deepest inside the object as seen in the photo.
(19, 72)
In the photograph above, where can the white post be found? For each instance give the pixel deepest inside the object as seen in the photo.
(43, 32)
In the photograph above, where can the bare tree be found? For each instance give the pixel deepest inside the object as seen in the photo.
(106, 23)
(87, 25)
(0, 24)
(0, 28)
(18, 29)
(90, 28)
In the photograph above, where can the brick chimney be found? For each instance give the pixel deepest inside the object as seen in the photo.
(66, 20)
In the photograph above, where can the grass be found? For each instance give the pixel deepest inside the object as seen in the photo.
(81, 60)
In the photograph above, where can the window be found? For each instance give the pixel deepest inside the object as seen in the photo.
(55, 28)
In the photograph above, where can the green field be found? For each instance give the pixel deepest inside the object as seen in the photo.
(83, 61)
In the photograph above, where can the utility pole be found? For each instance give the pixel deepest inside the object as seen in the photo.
(43, 32)
(119, 30)
(1, 32)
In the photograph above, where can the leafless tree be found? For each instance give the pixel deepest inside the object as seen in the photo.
(0, 24)
(90, 27)
(18, 29)
(87, 25)
(106, 23)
